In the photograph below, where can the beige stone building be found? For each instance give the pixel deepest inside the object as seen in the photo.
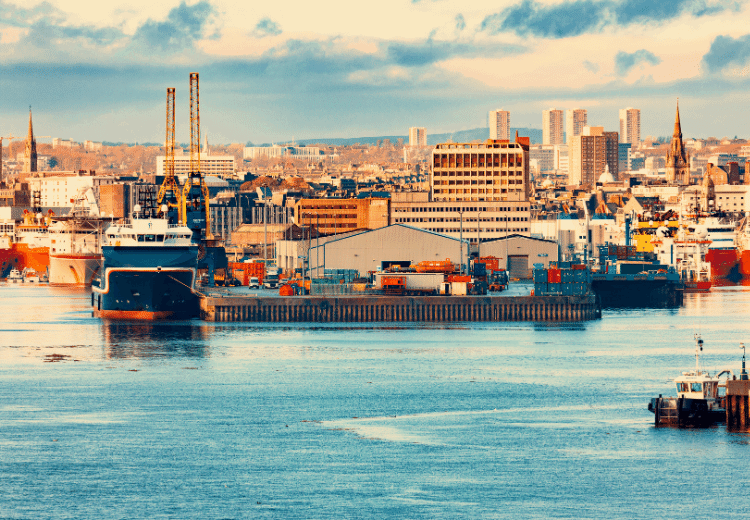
(332, 216)
(496, 170)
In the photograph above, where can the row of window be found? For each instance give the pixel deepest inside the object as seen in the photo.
(513, 173)
(480, 182)
(470, 231)
(456, 209)
(458, 219)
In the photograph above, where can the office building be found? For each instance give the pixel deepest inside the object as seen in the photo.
(493, 170)
(630, 126)
(575, 120)
(417, 136)
(553, 126)
(499, 124)
(590, 154)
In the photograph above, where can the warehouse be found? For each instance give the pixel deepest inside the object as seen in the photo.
(395, 244)
(523, 252)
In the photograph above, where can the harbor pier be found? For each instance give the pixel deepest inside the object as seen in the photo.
(738, 405)
(375, 308)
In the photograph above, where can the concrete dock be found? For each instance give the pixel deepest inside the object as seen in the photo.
(375, 308)
(738, 404)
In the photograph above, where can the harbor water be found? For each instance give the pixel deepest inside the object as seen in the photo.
(191, 419)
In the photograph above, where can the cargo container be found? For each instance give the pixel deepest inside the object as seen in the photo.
(416, 283)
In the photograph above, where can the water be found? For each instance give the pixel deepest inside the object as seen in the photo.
(509, 420)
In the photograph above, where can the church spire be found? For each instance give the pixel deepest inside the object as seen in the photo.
(677, 126)
(29, 163)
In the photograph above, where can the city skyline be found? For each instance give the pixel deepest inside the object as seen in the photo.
(99, 71)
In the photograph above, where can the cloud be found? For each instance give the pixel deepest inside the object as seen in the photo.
(266, 27)
(460, 22)
(184, 25)
(547, 21)
(624, 62)
(591, 66)
(644, 11)
(573, 18)
(726, 51)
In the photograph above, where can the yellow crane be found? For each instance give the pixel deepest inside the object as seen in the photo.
(195, 179)
(170, 194)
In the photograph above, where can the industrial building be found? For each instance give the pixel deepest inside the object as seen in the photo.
(369, 250)
(518, 254)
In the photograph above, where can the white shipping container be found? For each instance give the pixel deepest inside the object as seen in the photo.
(414, 281)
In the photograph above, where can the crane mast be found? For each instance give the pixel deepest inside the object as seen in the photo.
(170, 194)
(195, 192)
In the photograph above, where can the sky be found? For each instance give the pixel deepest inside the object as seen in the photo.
(276, 71)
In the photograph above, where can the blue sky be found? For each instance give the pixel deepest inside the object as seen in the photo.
(272, 71)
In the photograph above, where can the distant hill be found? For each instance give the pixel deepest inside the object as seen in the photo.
(461, 136)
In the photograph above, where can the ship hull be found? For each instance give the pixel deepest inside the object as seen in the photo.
(36, 258)
(145, 283)
(73, 270)
(722, 261)
(8, 260)
(744, 263)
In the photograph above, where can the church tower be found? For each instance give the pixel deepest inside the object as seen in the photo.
(678, 164)
(29, 160)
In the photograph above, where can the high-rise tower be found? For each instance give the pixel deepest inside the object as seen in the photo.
(630, 126)
(29, 159)
(499, 124)
(678, 160)
(553, 126)
(575, 120)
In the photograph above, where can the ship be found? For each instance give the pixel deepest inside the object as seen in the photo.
(149, 271)
(722, 251)
(700, 397)
(31, 242)
(75, 243)
(743, 248)
(686, 255)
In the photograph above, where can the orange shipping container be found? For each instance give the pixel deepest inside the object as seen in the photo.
(554, 276)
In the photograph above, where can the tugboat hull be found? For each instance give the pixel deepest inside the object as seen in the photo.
(685, 412)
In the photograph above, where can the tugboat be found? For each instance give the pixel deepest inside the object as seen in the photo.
(700, 401)
(15, 276)
(149, 271)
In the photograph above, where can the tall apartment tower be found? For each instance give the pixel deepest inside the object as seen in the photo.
(630, 126)
(553, 126)
(499, 124)
(495, 170)
(575, 120)
(590, 154)
(417, 136)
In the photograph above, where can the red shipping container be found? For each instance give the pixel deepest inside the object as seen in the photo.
(554, 276)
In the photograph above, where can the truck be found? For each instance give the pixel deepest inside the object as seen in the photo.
(271, 279)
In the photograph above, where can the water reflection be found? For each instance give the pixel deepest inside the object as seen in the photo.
(154, 339)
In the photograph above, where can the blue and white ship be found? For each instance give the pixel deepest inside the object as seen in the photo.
(149, 271)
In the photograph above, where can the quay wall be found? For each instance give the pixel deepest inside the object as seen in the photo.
(398, 308)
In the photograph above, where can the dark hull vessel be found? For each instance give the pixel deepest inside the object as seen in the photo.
(147, 282)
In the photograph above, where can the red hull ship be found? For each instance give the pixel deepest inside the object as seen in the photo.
(722, 262)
